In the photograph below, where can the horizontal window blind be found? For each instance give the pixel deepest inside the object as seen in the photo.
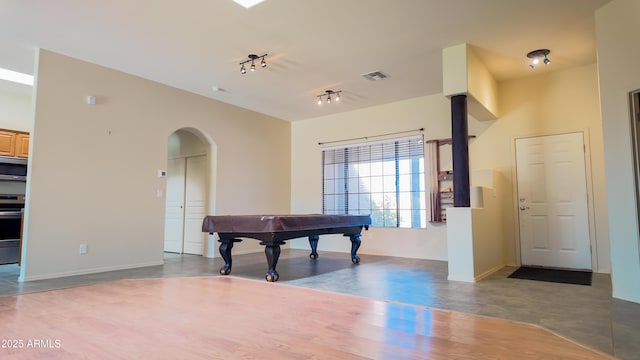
(376, 151)
(382, 178)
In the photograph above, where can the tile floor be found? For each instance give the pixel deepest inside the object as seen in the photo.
(586, 314)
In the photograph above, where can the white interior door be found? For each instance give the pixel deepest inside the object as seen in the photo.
(552, 201)
(195, 205)
(174, 206)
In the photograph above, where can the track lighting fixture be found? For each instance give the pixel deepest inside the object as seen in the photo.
(328, 98)
(252, 59)
(537, 55)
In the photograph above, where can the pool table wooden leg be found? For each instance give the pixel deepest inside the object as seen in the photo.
(272, 251)
(355, 245)
(225, 250)
(313, 241)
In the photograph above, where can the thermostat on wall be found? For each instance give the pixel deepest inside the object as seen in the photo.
(162, 173)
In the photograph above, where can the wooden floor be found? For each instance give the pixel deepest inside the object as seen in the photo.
(234, 318)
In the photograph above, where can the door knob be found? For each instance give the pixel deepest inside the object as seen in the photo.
(523, 208)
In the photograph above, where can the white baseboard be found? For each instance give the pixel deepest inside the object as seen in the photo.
(478, 277)
(89, 271)
(488, 272)
(455, 278)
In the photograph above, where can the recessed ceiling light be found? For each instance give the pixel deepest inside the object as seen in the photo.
(16, 77)
(248, 3)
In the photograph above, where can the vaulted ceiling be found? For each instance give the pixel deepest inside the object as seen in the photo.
(312, 46)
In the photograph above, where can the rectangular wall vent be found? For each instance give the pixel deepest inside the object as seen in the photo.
(374, 75)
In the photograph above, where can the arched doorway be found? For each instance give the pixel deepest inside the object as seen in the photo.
(190, 171)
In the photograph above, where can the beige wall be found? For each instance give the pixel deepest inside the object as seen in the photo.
(464, 73)
(183, 143)
(430, 112)
(483, 89)
(556, 102)
(93, 177)
(617, 32)
(488, 243)
(475, 244)
(98, 176)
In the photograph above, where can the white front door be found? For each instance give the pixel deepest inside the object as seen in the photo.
(552, 201)
(174, 206)
(185, 205)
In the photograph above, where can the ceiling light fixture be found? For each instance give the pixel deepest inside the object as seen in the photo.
(328, 94)
(252, 59)
(537, 55)
(248, 3)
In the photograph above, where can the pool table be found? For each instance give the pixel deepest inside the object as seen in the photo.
(273, 230)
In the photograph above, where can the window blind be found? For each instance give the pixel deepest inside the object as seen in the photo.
(382, 178)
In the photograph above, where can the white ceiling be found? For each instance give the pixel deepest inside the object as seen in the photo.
(312, 45)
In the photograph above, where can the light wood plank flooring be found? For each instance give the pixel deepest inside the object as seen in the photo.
(235, 318)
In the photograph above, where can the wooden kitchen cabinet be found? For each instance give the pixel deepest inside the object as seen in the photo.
(22, 145)
(7, 143)
(14, 143)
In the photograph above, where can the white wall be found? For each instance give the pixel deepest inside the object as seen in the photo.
(16, 112)
(460, 244)
(617, 32)
(93, 177)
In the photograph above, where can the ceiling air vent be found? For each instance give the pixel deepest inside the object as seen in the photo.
(374, 75)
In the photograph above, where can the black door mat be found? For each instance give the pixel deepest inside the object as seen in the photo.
(553, 275)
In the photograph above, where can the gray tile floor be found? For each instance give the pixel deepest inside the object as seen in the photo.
(586, 314)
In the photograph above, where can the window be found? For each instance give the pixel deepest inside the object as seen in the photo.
(384, 179)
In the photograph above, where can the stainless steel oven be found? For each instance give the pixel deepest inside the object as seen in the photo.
(13, 168)
(11, 208)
